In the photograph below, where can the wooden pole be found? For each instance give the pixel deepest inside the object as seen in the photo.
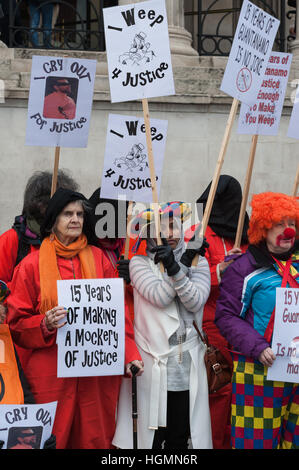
(246, 191)
(152, 168)
(296, 183)
(129, 217)
(55, 172)
(211, 197)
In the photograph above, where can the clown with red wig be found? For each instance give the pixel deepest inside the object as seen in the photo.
(264, 413)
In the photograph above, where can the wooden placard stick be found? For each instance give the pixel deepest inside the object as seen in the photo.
(211, 197)
(246, 192)
(152, 168)
(55, 172)
(296, 183)
(129, 218)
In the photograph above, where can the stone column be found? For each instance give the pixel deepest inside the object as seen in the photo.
(294, 49)
(180, 39)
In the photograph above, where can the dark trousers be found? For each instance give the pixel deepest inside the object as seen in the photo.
(177, 432)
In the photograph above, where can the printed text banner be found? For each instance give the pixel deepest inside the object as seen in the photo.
(92, 342)
(138, 52)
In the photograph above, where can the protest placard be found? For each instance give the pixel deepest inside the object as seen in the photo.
(92, 341)
(250, 52)
(26, 426)
(138, 52)
(126, 170)
(263, 117)
(285, 341)
(60, 101)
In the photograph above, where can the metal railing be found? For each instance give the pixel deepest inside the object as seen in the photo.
(78, 25)
(215, 26)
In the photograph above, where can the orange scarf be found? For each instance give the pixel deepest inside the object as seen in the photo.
(49, 273)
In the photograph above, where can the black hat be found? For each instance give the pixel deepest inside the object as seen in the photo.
(61, 198)
(226, 207)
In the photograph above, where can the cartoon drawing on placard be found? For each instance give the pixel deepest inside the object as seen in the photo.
(139, 51)
(135, 159)
(60, 98)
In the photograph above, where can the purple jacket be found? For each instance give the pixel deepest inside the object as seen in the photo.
(245, 282)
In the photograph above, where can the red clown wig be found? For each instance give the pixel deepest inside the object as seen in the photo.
(267, 210)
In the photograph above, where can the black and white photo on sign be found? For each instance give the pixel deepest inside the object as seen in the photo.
(138, 52)
(26, 426)
(60, 101)
(249, 54)
(92, 341)
(126, 172)
(263, 117)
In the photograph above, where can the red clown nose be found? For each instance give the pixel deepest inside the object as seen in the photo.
(289, 233)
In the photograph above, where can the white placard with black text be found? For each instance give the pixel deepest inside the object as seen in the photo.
(126, 172)
(285, 340)
(250, 52)
(263, 117)
(26, 426)
(60, 101)
(92, 342)
(138, 52)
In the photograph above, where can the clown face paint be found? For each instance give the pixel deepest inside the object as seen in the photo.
(281, 237)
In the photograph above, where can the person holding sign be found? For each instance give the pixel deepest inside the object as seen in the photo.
(172, 392)
(220, 236)
(85, 416)
(14, 387)
(264, 413)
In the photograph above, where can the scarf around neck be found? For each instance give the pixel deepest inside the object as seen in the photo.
(49, 273)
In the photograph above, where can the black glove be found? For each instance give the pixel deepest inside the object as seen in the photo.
(165, 254)
(123, 269)
(50, 443)
(1, 444)
(194, 247)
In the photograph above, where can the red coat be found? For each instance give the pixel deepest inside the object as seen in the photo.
(85, 416)
(9, 243)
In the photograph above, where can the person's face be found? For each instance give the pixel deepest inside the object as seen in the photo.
(29, 440)
(171, 231)
(277, 241)
(69, 223)
(63, 87)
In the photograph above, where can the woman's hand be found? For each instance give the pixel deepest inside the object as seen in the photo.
(225, 264)
(54, 316)
(136, 363)
(267, 357)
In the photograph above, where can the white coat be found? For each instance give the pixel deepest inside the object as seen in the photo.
(153, 328)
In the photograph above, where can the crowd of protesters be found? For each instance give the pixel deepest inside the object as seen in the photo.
(172, 284)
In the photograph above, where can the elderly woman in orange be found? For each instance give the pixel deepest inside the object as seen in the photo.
(85, 416)
(265, 413)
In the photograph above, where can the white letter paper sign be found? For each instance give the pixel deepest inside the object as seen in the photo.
(92, 342)
(138, 53)
(26, 426)
(60, 101)
(250, 52)
(285, 341)
(126, 170)
(263, 117)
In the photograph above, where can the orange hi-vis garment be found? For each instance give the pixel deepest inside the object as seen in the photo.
(11, 391)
